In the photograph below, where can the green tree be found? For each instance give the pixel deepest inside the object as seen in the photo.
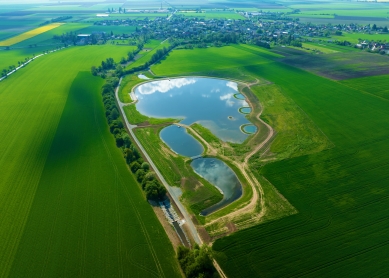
(127, 141)
(145, 166)
(140, 174)
(134, 166)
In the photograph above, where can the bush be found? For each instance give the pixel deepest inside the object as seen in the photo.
(197, 262)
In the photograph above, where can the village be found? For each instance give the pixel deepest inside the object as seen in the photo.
(265, 29)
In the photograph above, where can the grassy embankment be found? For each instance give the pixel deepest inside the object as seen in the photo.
(70, 205)
(341, 193)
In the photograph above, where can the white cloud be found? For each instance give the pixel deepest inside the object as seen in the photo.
(232, 85)
(164, 86)
(229, 98)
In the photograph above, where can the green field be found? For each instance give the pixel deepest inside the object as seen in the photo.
(187, 61)
(70, 207)
(47, 37)
(11, 57)
(30, 34)
(355, 37)
(375, 85)
(339, 187)
(341, 193)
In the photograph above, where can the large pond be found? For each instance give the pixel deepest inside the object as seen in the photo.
(215, 104)
(220, 175)
(208, 101)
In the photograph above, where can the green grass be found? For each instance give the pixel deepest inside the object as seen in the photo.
(11, 57)
(206, 134)
(332, 46)
(320, 48)
(354, 37)
(134, 117)
(69, 205)
(341, 194)
(375, 85)
(128, 82)
(200, 60)
(296, 134)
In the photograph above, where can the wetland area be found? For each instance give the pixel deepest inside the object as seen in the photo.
(217, 105)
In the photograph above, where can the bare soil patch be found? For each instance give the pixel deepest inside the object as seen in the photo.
(340, 66)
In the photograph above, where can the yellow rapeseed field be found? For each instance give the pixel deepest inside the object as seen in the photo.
(29, 34)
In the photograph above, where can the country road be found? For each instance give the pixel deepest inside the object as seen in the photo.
(172, 192)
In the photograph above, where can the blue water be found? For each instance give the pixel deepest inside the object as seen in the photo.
(239, 96)
(180, 141)
(219, 174)
(245, 110)
(210, 102)
(250, 129)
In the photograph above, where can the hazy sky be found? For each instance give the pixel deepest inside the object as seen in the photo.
(45, 1)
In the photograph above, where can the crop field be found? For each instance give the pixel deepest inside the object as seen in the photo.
(47, 37)
(70, 207)
(29, 34)
(355, 37)
(339, 66)
(375, 85)
(341, 193)
(11, 57)
(200, 60)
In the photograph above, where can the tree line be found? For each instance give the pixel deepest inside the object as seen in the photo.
(57, 19)
(153, 189)
(196, 262)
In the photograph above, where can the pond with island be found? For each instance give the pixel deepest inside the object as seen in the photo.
(215, 104)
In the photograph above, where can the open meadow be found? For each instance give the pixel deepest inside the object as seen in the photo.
(70, 206)
(187, 61)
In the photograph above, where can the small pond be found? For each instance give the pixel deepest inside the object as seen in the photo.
(142, 76)
(180, 141)
(219, 174)
(245, 110)
(249, 129)
(239, 96)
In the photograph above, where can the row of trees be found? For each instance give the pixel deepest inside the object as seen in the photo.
(147, 178)
(158, 55)
(57, 19)
(197, 262)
